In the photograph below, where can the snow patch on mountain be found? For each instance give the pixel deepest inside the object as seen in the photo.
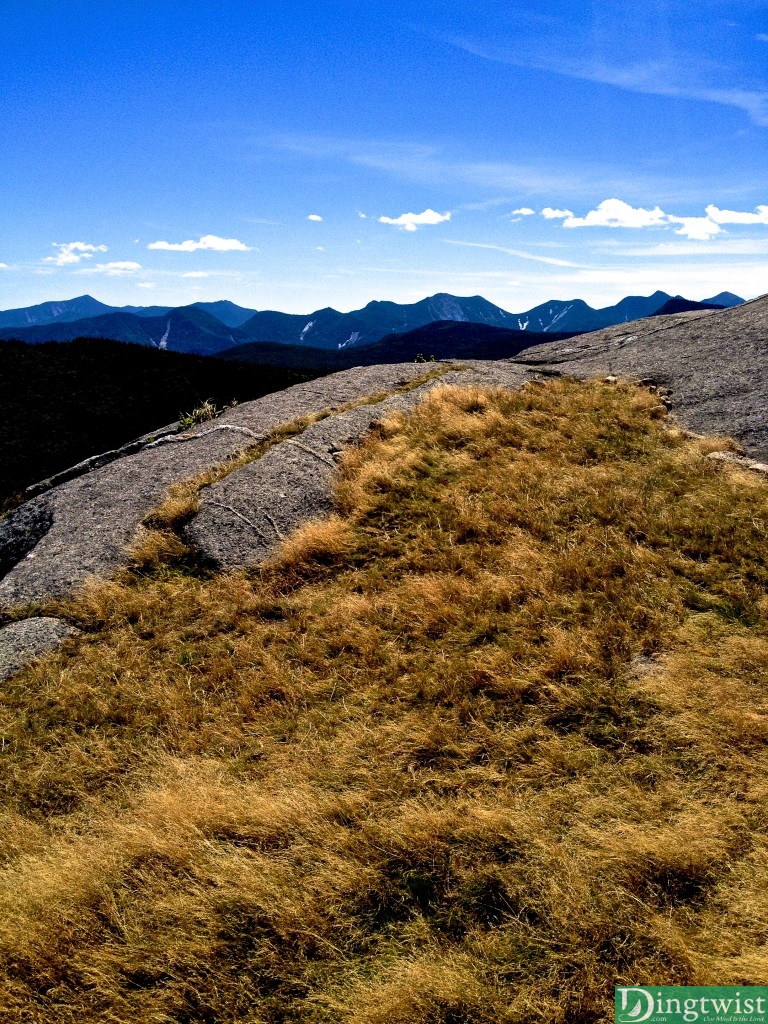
(445, 307)
(558, 315)
(350, 340)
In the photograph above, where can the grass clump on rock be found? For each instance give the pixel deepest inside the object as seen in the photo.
(483, 745)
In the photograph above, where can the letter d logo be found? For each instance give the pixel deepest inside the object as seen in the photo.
(641, 1008)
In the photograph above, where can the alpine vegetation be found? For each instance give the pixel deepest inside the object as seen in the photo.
(485, 743)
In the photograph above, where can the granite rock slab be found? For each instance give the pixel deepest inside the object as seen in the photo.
(713, 366)
(24, 641)
(81, 528)
(714, 363)
(244, 517)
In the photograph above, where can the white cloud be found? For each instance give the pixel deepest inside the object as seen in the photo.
(3, 266)
(361, 215)
(113, 269)
(320, 248)
(206, 242)
(696, 228)
(614, 213)
(410, 221)
(524, 211)
(314, 216)
(737, 217)
(72, 252)
(196, 273)
(551, 214)
(762, 37)
(145, 284)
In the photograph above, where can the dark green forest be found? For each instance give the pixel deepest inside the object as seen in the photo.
(60, 403)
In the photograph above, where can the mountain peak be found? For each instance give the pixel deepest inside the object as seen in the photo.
(211, 326)
(725, 299)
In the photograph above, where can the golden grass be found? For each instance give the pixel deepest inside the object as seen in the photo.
(486, 743)
(158, 542)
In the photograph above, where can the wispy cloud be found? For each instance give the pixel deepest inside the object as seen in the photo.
(263, 220)
(195, 273)
(72, 252)
(412, 221)
(680, 78)
(676, 250)
(694, 279)
(524, 211)
(206, 242)
(551, 214)
(432, 165)
(116, 269)
(520, 253)
(485, 204)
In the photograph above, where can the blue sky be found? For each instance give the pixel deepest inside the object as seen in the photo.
(297, 155)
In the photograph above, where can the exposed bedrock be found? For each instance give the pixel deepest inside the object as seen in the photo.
(714, 365)
(80, 528)
(244, 516)
(22, 530)
(24, 641)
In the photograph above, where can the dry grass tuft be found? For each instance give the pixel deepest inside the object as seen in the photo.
(159, 543)
(489, 741)
(707, 445)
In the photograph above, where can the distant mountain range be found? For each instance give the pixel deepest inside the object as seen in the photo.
(681, 305)
(578, 317)
(440, 339)
(186, 329)
(212, 328)
(86, 307)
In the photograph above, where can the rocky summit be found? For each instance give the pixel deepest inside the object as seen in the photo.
(712, 363)
(710, 366)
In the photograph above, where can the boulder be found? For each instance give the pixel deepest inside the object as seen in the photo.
(21, 531)
(23, 641)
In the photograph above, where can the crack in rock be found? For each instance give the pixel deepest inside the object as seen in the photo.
(310, 451)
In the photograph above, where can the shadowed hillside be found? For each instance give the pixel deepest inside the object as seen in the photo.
(62, 403)
(443, 339)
